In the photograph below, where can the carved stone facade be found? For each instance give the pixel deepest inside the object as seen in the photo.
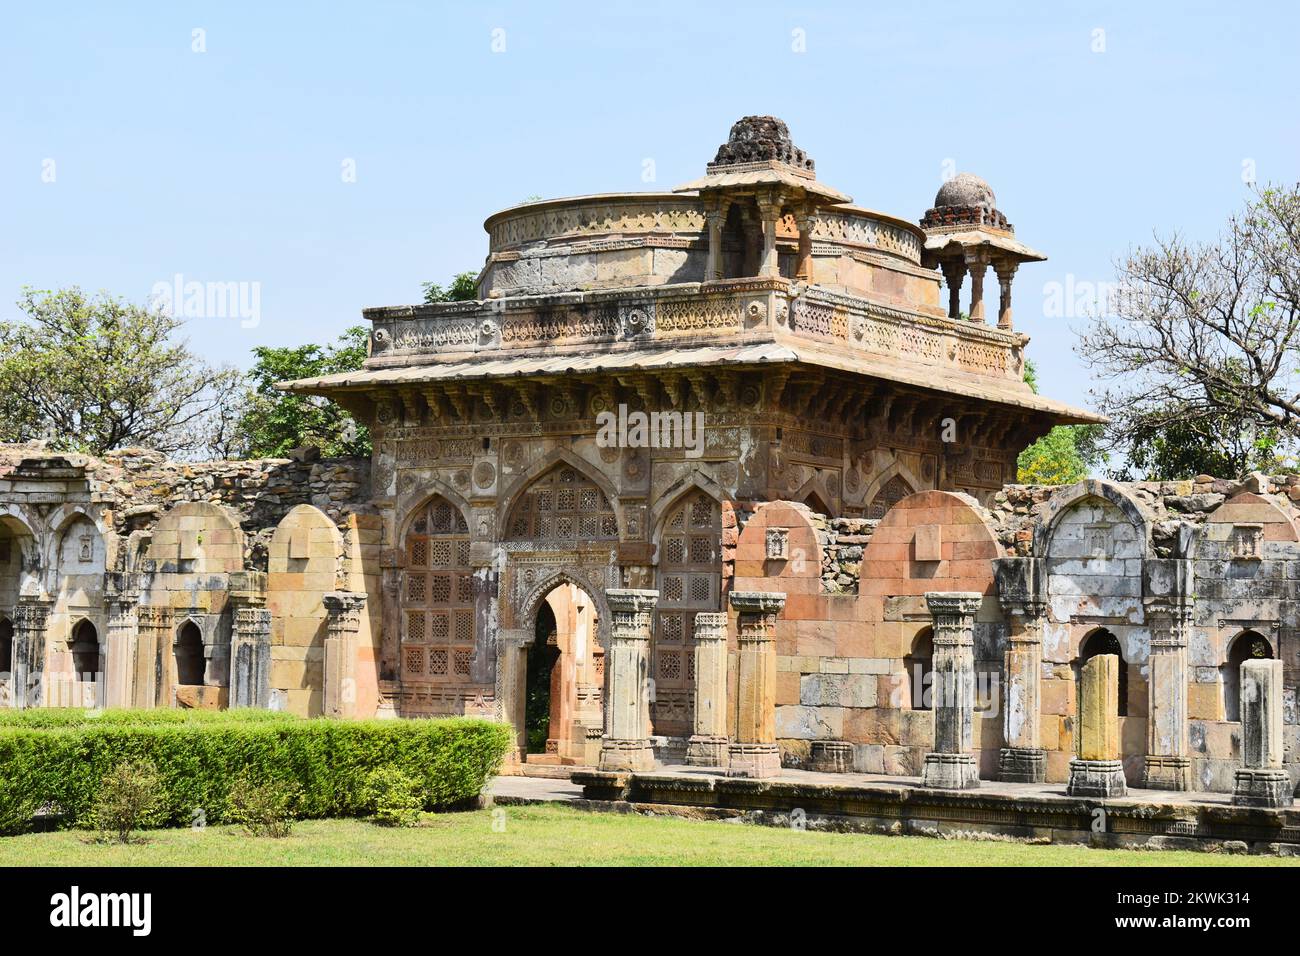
(590, 484)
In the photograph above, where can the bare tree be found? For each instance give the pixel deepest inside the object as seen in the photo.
(1202, 343)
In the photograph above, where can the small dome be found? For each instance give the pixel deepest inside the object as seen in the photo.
(965, 189)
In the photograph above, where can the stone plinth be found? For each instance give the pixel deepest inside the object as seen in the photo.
(1098, 770)
(952, 764)
(1262, 782)
(831, 756)
(708, 744)
(754, 753)
(626, 745)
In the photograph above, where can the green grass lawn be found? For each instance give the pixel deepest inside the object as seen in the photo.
(555, 835)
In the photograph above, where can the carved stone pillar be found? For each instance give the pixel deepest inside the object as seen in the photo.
(754, 752)
(510, 687)
(31, 614)
(708, 744)
(804, 269)
(1168, 760)
(1261, 782)
(153, 627)
(769, 213)
(954, 271)
(626, 745)
(1023, 759)
(250, 641)
(1006, 270)
(344, 609)
(977, 263)
(1098, 771)
(122, 639)
(716, 218)
(952, 764)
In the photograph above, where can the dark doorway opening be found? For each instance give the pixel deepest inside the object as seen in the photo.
(6, 646)
(85, 651)
(189, 655)
(542, 655)
(1104, 642)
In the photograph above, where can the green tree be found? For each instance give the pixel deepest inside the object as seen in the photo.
(272, 422)
(464, 286)
(1064, 455)
(93, 373)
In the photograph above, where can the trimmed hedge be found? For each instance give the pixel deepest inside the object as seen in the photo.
(199, 760)
(47, 718)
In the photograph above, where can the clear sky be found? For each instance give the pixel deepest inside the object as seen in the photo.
(126, 157)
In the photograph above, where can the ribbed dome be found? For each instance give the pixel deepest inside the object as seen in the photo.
(965, 189)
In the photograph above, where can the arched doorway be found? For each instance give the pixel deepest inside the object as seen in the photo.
(1246, 646)
(6, 661)
(919, 664)
(1102, 641)
(563, 677)
(190, 662)
(84, 648)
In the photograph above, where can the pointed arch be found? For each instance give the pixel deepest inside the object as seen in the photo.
(677, 492)
(539, 469)
(429, 489)
(810, 496)
(527, 613)
(1061, 503)
(904, 483)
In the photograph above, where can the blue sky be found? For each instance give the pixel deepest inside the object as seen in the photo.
(227, 165)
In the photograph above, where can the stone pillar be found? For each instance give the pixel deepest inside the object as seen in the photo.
(1023, 759)
(344, 609)
(510, 687)
(1097, 771)
(122, 639)
(1262, 782)
(1168, 760)
(753, 753)
(954, 271)
(708, 744)
(716, 219)
(952, 764)
(804, 269)
(250, 641)
(1006, 270)
(31, 614)
(977, 262)
(626, 744)
(153, 624)
(770, 213)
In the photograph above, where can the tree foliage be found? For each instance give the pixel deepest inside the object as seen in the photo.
(272, 422)
(1066, 454)
(1202, 347)
(93, 373)
(464, 286)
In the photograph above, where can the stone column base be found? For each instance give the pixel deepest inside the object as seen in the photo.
(1164, 772)
(1097, 778)
(703, 750)
(1262, 788)
(753, 760)
(950, 772)
(1022, 765)
(831, 756)
(626, 755)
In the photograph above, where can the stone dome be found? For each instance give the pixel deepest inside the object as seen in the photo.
(759, 138)
(965, 189)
